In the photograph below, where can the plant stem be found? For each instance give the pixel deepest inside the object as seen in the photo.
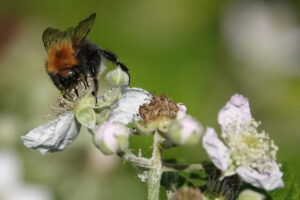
(136, 160)
(155, 173)
(172, 167)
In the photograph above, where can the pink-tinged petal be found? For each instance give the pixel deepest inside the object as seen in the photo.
(181, 113)
(267, 181)
(216, 150)
(236, 111)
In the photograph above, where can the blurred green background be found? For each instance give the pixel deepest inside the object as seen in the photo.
(199, 52)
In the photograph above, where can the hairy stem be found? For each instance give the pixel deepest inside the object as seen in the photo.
(155, 173)
(136, 160)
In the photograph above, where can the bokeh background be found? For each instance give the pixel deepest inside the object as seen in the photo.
(197, 52)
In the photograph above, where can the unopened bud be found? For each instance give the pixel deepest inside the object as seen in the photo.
(250, 195)
(117, 77)
(186, 131)
(112, 138)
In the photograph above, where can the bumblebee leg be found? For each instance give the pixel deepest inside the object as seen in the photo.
(114, 59)
(76, 92)
(94, 75)
(67, 96)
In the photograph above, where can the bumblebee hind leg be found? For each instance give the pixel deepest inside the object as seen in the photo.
(114, 59)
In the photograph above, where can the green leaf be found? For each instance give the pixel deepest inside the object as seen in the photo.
(291, 190)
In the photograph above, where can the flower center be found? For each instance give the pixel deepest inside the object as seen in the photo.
(249, 147)
(159, 108)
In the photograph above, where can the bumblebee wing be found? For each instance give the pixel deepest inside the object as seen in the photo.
(82, 29)
(53, 36)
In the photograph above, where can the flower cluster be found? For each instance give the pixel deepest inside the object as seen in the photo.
(170, 119)
(120, 112)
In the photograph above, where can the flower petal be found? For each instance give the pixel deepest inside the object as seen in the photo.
(56, 135)
(216, 150)
(181, 113)
(127, 107)
(267, 181)
(235, 111)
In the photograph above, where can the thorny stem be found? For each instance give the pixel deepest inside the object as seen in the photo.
(156, 166)
(155, 173)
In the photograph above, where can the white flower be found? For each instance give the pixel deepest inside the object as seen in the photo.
(247, 152)
(12, 186)
(112, 138)
(53, 136)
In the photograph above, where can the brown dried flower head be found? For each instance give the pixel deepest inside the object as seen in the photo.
(160, 107)
(189, 193)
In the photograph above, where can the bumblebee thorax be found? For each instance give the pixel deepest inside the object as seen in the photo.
(61, 58)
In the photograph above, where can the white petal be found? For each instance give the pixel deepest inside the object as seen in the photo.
(235, 111)
(267, 181)
(181, 113)
(216, 150)
(127, 107)
(56, 135)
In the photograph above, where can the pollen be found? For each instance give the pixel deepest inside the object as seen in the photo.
(61, 58)
(67, 104)
(251, 148)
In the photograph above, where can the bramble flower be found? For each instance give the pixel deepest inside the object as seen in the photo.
(170, 119)
(247, 152)
(156, 114)
(117, 104)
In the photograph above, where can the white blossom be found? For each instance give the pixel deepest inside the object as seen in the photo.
(247, 152)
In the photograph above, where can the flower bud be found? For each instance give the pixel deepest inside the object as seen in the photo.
(117, 77)
(250, 195)
(186, 131)
(112, 138)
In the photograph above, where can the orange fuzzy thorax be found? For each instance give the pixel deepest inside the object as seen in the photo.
(61, 58)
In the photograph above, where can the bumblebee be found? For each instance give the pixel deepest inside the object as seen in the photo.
(72, 58)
